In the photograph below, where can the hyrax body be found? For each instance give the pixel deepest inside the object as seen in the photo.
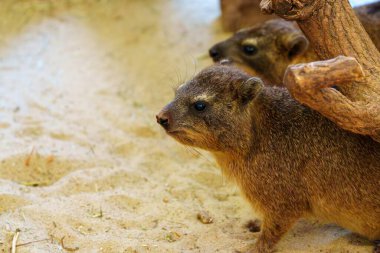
(289, 161)
(267, 49)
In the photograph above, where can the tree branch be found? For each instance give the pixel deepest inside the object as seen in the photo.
(311, 82)
(290, 9)
(333, 29)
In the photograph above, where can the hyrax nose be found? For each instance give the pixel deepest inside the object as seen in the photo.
(214, 53)
(163, 119)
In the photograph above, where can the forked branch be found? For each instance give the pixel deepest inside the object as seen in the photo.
(311, 83)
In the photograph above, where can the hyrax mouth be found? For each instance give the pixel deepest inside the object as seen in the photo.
(165, 120)
(176, 133)
(180, 136)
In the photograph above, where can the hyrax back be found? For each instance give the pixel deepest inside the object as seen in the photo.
(289, 161)
(268, 48)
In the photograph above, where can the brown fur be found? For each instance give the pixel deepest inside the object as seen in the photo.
(289, 161)
(280, 43)
(369, 16)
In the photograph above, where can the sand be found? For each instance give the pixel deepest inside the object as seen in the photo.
(84, 167)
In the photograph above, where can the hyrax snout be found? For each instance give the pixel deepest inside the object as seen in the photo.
(289, 161)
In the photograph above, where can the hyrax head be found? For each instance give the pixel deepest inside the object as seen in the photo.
(266, 49)
(211, 111)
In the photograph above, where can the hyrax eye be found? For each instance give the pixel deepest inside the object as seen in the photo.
(249, 49)
(200, 106)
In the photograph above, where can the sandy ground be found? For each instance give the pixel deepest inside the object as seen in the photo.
(83, 164)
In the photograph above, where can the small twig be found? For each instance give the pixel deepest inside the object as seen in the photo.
(29, 158)
(50, 159)
(27, 243)
(66, 248)
(35, 184)
(14, 241)
(98, 214)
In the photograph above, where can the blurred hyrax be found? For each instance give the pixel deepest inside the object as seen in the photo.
(267, 49)
(289, 161)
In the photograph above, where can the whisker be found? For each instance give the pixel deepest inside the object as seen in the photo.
(203, 156)
(191, 151)
(195, 67)
(186, 69)
(178, 75)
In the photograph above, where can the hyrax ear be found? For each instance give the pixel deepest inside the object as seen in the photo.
(249, 89)
(295, 43)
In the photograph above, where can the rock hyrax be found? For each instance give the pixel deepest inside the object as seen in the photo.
(267, 49)
(289, 161)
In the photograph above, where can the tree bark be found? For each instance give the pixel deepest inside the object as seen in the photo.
(333, 29)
